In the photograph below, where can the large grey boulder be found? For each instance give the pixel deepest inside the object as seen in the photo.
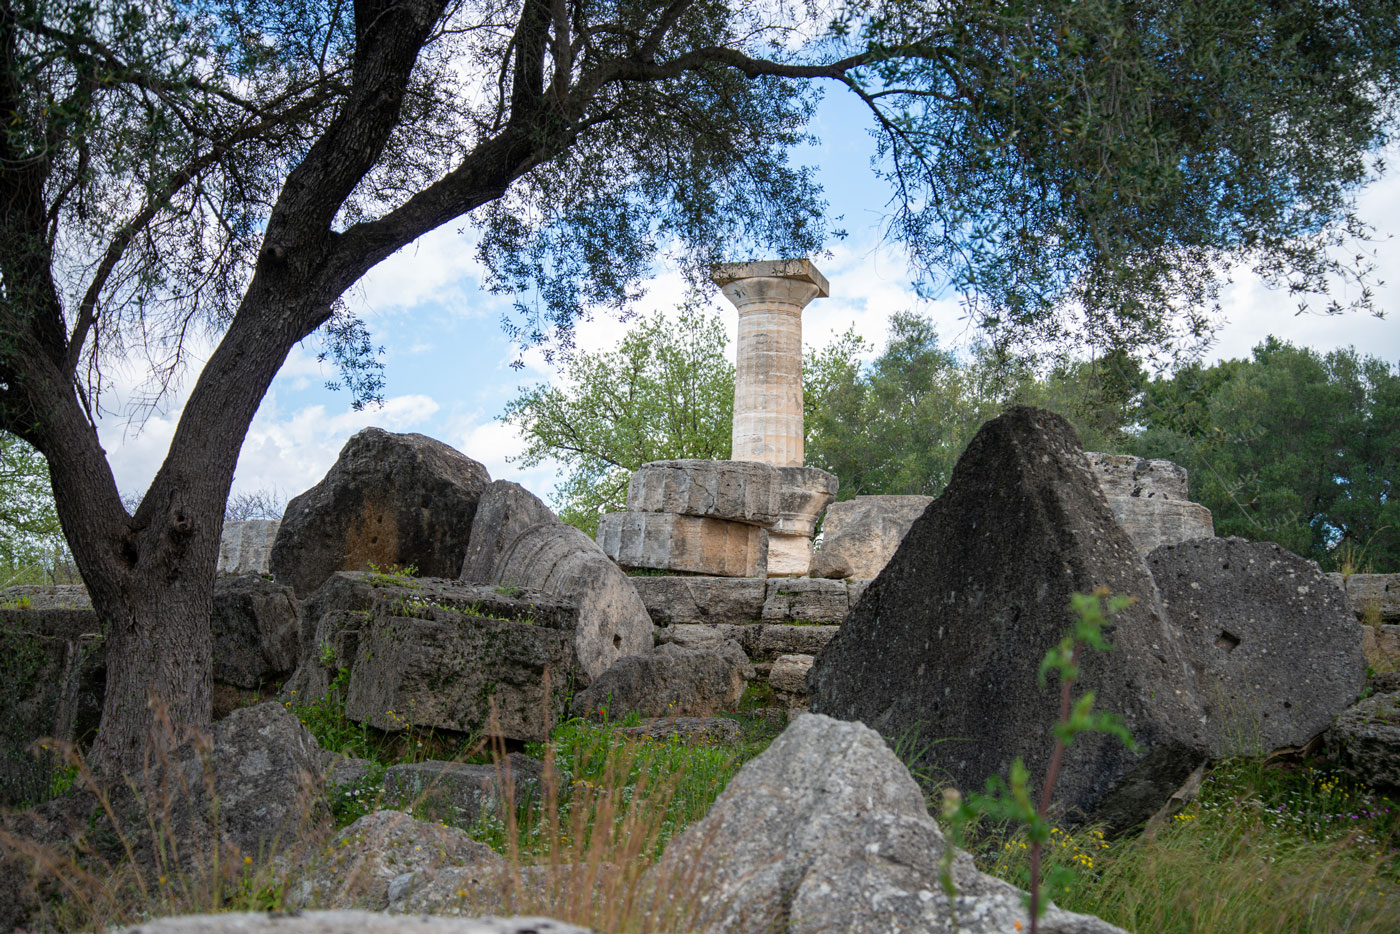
(1365, 741)
(370, 864)
(266, 770)
(827, 831)
(390, 499)
(517, 542)
(672, 682)
(946, 644)
(1149, 500)
(347, 922)
(860, 535)
(245, 547)
(256, 630)
(1276, 653)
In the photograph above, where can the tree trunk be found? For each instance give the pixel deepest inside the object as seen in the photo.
(159, 654)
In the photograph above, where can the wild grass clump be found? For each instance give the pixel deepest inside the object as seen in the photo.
(593, 771)
(1264, 848)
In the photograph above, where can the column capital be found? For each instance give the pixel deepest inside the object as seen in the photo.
(799, 270)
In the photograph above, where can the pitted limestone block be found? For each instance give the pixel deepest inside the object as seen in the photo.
(244, 547)
(862, 534)
(809, 600)
(1373, 598)
(806, 491)
(1137, 477)
(1149, 500)
(737, 491)
(684, 543)
(789, 555)
(1151, 523)
(683, 599)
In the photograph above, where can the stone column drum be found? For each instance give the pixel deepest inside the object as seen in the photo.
(770, 296)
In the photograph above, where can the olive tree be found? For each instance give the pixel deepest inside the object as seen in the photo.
(170, 167)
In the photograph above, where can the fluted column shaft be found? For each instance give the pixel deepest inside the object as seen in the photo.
(770, 297)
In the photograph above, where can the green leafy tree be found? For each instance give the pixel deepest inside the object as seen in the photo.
(666, 392)
(899, 424)
(31, 541)
(168, 168)
(1291, 446)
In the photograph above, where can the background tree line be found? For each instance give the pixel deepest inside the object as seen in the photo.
(1290, 445)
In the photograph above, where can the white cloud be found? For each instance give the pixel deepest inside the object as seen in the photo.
(292, 453)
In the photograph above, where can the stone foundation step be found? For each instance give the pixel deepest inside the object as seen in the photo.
(761, 642)
(674, 599)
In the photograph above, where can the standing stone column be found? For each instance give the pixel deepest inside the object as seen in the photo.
(770, 296)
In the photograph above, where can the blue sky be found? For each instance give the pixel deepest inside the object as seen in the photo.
(447, 359)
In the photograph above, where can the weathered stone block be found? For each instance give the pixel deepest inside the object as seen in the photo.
(255, 626)
(359, 867)
(810, 600)
(52, 680)
(454, 671)
(1365, 741)
(788, 678)
(1275, 652)
(1149, 500)
(1381, 646)
(862, 534)
(682, 599)
(683, 543)
(737, 491)
(389, 500)
(1373, 598)
(517, 542)
(46, 597)
(806, 491)
(789, 555)
(760, 642)
(950, 636)
(675, 683)
(246, 547)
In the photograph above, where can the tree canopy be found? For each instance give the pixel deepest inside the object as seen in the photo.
(666, 391)
(169, 167)
(1292, 446)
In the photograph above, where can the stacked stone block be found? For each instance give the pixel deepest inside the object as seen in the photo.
(718, 518)
(1149, 500)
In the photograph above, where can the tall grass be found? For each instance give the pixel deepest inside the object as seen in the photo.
(1263, 849)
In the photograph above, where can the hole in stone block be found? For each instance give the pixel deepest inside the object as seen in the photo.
(617, 641)
(1227, 641)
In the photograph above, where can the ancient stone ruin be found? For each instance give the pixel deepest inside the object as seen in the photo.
(753, 516)
(923, 618)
